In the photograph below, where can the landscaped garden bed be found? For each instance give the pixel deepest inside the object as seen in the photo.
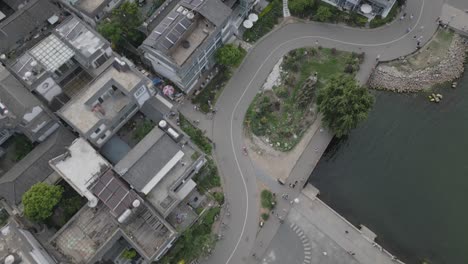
(208, 96)
(281, 115)
(196, 135)
(195, 242)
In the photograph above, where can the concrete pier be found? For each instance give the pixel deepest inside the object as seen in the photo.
(316, 219)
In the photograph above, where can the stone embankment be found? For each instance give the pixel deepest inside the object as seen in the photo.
(451, 67)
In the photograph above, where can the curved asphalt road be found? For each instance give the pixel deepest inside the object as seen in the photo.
(391, 41)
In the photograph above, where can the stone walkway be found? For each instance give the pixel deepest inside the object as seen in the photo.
(286, 12)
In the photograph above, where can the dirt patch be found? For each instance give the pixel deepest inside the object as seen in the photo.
(277, 164)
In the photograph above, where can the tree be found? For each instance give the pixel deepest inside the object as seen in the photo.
(122, 25)
(40, 200)
(300, 7)
(229, 55)
(343, 104)
(323, 14)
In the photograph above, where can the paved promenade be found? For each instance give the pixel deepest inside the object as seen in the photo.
(313, 216)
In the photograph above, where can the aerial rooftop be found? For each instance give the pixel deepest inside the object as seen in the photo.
(186, 27)
(92, 231)
(160, 168)
(81, 166)
(80, 37)
(19, 245)
(90, 7)
(81, 111)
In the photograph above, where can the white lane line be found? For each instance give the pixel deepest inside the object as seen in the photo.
(250, 84)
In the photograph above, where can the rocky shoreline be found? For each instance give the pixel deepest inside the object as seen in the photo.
(451, 67)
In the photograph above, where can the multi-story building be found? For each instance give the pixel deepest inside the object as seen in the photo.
(107, 103)
(20, 20)
(91, 11)
(76, 73)
(378, 7)
(60, 65)
(161, 167)
(21, 112)
(184, 35)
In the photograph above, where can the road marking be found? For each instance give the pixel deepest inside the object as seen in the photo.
(248, 87)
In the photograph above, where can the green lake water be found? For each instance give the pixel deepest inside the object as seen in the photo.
(404, 174)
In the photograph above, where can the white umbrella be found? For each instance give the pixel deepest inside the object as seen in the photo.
(366, 9)
(253, 17)
(248, 24)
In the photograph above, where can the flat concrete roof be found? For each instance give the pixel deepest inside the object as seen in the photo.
(81, 115)
(80, 166)
(80, 37)
(90, 6)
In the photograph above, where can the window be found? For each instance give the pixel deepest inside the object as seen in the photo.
(140, 91)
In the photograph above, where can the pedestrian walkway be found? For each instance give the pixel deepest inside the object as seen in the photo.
(305, 243)
(455, 18)
(316, 220)
(286, 12)
(201, 120)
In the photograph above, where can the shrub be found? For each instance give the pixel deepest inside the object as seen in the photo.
(323, 14)
(267, 199)
(219, 197)
(265, 216)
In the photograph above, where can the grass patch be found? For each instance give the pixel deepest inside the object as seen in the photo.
(283, 114)
(142, 129)
(265, 216)
(378, 21)
(267, 199)
(195, 242)
(196, 135)
(22, 146)
(208, 177)
(209, 95)
(267, 19)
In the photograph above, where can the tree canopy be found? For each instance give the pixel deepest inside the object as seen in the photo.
(343, 104)
(40, 200)
(323, 14)
(229, 55)
(300, 7)
(122, 25)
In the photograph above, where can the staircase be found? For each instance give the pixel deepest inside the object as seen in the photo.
(286, 12)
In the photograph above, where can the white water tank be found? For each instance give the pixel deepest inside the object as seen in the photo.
(10, 259)
(136, 203)
(162, 124)
(124, 216)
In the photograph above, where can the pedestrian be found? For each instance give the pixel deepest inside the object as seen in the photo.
(346, 231)
(421, 28)
(378, 57)
(411, 17)
(415, 36)
(408, 30)
(316, 42)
